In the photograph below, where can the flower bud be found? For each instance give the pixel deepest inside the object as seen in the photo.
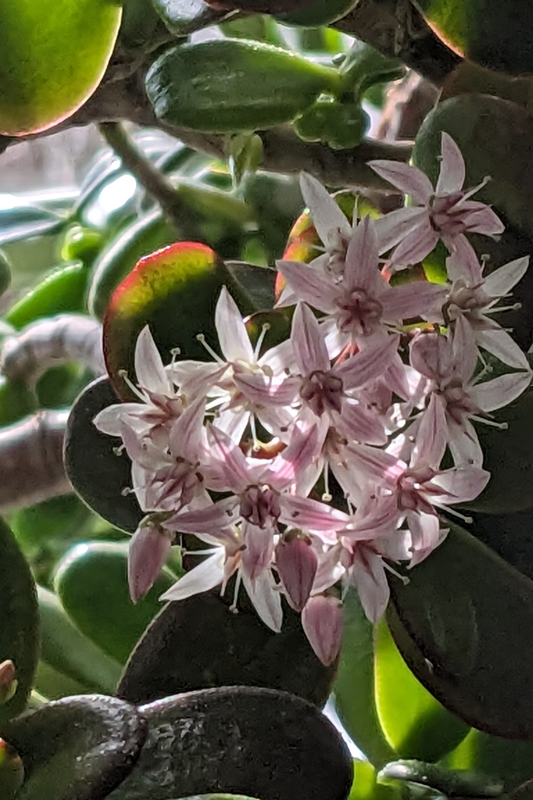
(8, 681)
(322, 623)
(296, 562)
(148, 551)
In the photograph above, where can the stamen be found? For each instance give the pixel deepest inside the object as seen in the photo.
(256, 443)
(124, 375)
(201, 338)
(233, 607)
(326, 497)
(119, 450)
(454, 513)
(260, 339)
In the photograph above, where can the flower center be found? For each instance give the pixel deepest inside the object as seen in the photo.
(410, 486)
(446, 214)
(358, 312)
(458, 402)
(322, 391)
(259, 504)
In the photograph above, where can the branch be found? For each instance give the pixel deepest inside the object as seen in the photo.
(398, 30)
(31, 454)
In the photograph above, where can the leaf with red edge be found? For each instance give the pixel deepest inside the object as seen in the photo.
(174, 291)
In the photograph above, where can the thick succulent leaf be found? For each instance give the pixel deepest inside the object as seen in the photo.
(19, 620)
(92, 583)
(96, 472)
(483, 126)
(183, 17)
(79, 748)
(464, 624)
(62, 290)
(496, 33)
(510, 536)
(355, 685)
(443, 780)
(22, 219)
(174, 291)
(257, 282)
(198, 643)
(239, 739)
(67, 651)
(414, 722)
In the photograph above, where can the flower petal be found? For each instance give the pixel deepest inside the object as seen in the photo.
(266, 598)
(410, 180)
(499, 343)
(149, 369)
(232, 334)
(452, 168)
(499, 392)
(205, 576)
(325, 213)
(308, 342)
(395, 226)
(502, 280)
(361, 268)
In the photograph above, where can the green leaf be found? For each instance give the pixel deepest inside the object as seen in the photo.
(318, 12)
(441, 779)
(92, 583)
(57, 519)
(259, 742)
(496, 33)
(62, 290)
(231, 85)
(96, 472)
(183, 17)
(21, 220)
(174, 291)
(464, 624)
(354, 688)
(414, 723)
(257, 282)
(19, 620)
(181, 651)
(79, 748)
(69, 652)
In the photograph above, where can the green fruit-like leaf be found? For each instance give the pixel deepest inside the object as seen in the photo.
(92, 584)
(183, 17)
(259, 742)
(57, 519)
(231, 85)
(443, 780)
(413, 721)
(354, 688)
(496, 33)
(69, 652)
(174, 291)
(19, 620)
(181, 651)
(53, 58)
(63, 290)
(96, 472)
(318, 12)
(464, 625)
(78, 748)
(139, 23)
(483, 126)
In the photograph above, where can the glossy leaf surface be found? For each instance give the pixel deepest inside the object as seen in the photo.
(181, 651)
(259, 742)
(96, 472)
(78, 748)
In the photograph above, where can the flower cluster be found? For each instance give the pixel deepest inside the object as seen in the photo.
(378, 380)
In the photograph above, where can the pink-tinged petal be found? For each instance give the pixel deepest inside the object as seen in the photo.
(187, 433)
(303, 448)
(205, 576)
(232, 334)
(368, 364)
(196, 377)
(464, 444)
(228, 469)
(296, 563)
(432, 434)
(479, 218)
(262, 390)
(464, 348)
(148, 550)
(410, 300)
(361, 270)
(375, 466)
(414, 247)
(463, 263)
(397, 225)
(279, 358)
(395, 546)
(379, 518)
(322, 621)
(452, 167)
(310, 515)
(499, 343)
(205, 520)
(308, 342)
(329, 571)
(264, 594)
(309, 285)
(426, 535)
(368, 575)
(149, 369)
(459, 485)
(499, 392)
(410, 180)
(502, 280)
(431, 355)
(360, 425)
(326, 214)
(258, 549)
(233, 422)
(110, 419)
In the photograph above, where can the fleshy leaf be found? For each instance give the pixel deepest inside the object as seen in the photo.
(464, 625)
(181, 651)
(95, 470)
(78, 748)
(239, 739)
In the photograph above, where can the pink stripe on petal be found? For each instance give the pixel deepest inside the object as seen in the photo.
(394, 227)
(309, 285)
(309, 346)
(452, 168)
(361, 269)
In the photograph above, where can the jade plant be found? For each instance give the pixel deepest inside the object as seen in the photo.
(265, 403)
